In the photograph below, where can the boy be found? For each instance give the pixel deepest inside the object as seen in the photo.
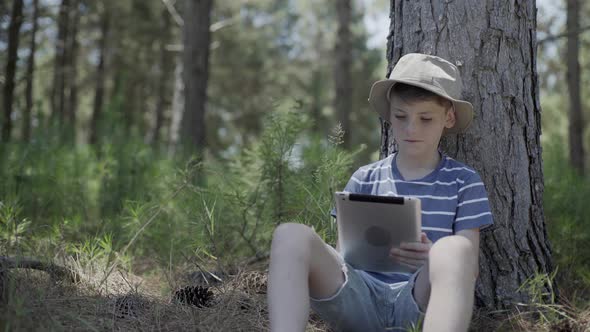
(421, 102)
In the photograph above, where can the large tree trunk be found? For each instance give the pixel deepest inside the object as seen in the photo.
(59, 71)
(30, 75)
(493, 44)
(576, 123)
(342, 69)
(16, 20)
(100, 78)
(197, 37)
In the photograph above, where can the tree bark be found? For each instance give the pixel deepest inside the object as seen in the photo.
(16, 21)
(197, 38)
(59, 82)
(576, 122)
(342, 69)
(100, 78)
(30, 75)
(493, 44)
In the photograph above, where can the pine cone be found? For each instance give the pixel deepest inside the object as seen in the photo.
(198, 296)
(126, 306)
(253, 282)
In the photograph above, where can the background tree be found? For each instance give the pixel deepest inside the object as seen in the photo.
(343, 67)
(242, 36)
(317, 28)
(100, 77)
(576, 120)
(71, 74)
(58, 95)
(177, 107)
(16, 20)
(497, 59)
(30, 74)
(166, 74)
(197, 36)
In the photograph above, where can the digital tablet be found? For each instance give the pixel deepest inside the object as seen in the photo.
(369, 226)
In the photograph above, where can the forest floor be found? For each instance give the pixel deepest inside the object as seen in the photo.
(112, 299)
(107, 299)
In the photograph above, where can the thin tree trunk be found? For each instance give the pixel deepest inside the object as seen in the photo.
(133, 100)
(58, 92)
(576, 122)
(317, 83)
(177, 107)
(100, 78)
(197, 36)
(493, 44)
(167, 68)
(72, 76)
(30, 75)
(16, 20)
(342, 69)
(316, 101)
(4, 11)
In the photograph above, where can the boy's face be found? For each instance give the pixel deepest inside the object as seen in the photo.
(418, 125)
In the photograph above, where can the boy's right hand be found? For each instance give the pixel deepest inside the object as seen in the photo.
(412, 254)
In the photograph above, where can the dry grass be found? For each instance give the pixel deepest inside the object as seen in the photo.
(125, 302)
(121, 301)
(562, 317)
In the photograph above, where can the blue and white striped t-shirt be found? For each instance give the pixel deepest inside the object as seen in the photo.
(453, 197)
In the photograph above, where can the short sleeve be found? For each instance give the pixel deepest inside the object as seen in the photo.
(351, 187)
(473, 207)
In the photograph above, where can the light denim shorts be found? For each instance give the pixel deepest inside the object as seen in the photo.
(364, 303)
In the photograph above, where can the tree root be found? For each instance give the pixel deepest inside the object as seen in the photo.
(56, 272)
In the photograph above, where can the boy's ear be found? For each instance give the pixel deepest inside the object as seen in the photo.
(450, 118)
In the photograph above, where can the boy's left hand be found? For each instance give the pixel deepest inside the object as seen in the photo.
(412, 254)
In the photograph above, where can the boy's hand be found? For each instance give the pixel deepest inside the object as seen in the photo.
(412, 254)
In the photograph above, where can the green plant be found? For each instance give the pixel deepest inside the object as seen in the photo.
(566, 211)
(542, 299)
(12, 228)
(540, 288)
(97, 250)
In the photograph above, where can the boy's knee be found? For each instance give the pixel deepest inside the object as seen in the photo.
(291, 237)
(453, 258)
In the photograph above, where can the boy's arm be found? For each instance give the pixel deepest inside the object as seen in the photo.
(472, 235)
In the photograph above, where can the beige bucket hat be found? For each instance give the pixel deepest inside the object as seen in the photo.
(428, 72)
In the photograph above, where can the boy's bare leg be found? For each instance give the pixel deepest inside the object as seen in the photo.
(449, 295)
(300, 266)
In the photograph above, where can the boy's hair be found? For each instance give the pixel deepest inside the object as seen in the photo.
(410, 93)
